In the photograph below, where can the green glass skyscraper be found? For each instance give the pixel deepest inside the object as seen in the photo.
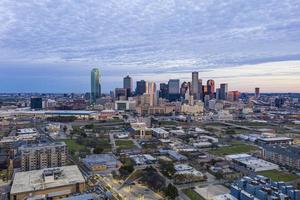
(95, 85)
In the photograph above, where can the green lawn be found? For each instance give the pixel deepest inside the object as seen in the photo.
(192, 194)
(125, 144)
(73, 146)
(276, 175)
(234, 148)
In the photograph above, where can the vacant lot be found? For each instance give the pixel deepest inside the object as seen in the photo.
(192, 194)
(125, 144)
(234, 148)
(277, 175)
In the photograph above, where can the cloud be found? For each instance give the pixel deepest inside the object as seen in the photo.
(142, 36)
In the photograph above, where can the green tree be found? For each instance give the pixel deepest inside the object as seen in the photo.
(98, 150)
(171, 191)
(167, 168)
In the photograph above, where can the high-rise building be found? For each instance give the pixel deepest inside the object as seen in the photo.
(36, 103)
(223, 91)
(95, 85)
(173, 86)
(120, 93)
(151, 90)
(185, 86)
(233, 95)
(140, 87)
(163, 90)
(211, 88)
(200, 93)
(218, 91)
(257, 93)
(45, 155)
(127, 84)
(195, 86)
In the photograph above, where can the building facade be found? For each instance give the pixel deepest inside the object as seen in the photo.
(40, 156)
(95, 85)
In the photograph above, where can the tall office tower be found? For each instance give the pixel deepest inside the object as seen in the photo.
(218, 94)
(36, 103)
(185, 86)
(211, 88)
(195, 86)
(200, 90)
(120, 94)
(44, 155)
(173, 86)
(257, 93)
(223, 91)
(140, 87)
(151, 90)
(163, 90)
(95, 85)
(127, 84)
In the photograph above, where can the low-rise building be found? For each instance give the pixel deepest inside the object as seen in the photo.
(101, 162)
(160, 133)
(248, 164)
(141, 131)
(51, 183)
(260, 187)
(285, 155)
(274, 140)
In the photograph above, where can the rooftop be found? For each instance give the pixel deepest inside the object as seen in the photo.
(34, 180)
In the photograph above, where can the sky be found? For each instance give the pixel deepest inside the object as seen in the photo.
(52, 45)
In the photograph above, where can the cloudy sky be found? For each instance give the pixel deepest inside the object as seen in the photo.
(51, 45)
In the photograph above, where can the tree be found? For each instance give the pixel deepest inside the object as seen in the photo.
(171, 191)
(167, 168)
(98, 150)
(65, 128)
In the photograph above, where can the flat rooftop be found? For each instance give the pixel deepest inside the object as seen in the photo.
(33, 180)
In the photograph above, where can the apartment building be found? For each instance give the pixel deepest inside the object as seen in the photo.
(43, 155)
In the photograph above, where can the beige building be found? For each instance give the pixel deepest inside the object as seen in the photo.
(50, 183)
(44, 155)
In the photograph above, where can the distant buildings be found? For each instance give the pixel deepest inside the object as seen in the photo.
(45, 155)
(257, 93)
(140, 87)
(121, 94)
(211, 88)
(127, 84)
(50, 183)
(174, 93)
(223, 91)
(36, 103)
(95, 85)
(163, 90)
(195, 88)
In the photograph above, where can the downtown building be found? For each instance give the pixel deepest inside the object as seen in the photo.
(44, 155)
(95, 85)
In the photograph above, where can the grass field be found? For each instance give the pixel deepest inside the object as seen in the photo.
(73, 146)
(125, 144)
(192, 194)
(276, 175)
(234, 148)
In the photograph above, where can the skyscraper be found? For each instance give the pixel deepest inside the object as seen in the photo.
(257, 93)
(151, 90)
(127, 84)
(95, 85)
(200, 94)
(163, 90)
(211, 88)
(223, 91)
(140, 87)
(195, 87)
(173, 86)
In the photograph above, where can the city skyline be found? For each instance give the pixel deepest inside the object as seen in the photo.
(246, 44)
